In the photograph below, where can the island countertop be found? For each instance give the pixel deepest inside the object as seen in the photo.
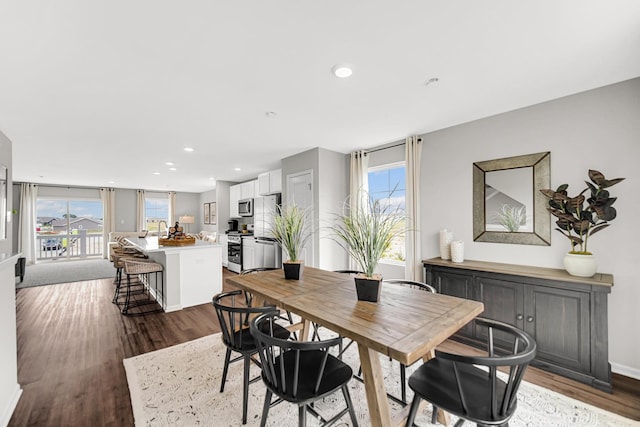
(150, 244)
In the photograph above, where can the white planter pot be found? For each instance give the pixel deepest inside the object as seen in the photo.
(580, 265)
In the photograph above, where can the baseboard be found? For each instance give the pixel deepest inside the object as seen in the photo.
(8, 410)
(171, 308)
(627, 371)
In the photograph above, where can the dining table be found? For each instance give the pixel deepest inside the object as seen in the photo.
(405, 324)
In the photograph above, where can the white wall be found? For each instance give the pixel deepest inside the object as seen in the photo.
(598, 129)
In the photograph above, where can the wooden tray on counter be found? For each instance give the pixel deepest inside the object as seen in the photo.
(177, 242)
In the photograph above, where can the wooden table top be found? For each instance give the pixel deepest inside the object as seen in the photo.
(405, 324)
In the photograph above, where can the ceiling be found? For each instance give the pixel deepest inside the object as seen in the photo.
(103, 93)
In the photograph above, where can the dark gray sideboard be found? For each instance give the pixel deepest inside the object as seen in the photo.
(567, 315)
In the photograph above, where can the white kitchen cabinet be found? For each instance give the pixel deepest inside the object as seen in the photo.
(225, 249)
(234, 196)
(270, 182)
(248, 189)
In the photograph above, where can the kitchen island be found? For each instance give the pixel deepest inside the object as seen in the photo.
(192, 273)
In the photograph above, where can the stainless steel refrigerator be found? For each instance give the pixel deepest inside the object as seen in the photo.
(266, 252)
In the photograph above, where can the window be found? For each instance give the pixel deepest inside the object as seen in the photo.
(387, 185)
(68, 228)
(156, 210)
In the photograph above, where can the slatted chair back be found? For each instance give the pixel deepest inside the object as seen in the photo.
(469, 386)
(231, 316)
(282, 367)
(412, 284)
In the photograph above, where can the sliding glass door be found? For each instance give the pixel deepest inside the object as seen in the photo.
(68, 229)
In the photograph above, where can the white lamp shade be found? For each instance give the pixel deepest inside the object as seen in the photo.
(187, 219)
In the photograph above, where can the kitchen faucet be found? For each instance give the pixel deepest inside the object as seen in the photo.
(160, 230)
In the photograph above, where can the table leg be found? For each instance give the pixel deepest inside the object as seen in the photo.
(304, 333)
(374, 386)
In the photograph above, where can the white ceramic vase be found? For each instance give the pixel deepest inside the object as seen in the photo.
(580, 265)
(446, 237)
(457, 251)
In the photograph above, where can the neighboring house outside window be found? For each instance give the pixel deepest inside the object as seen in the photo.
(388, 185)
(156, 210)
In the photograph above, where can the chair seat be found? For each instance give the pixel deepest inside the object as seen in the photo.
(248, 344)
(435, 382)
(336, 374)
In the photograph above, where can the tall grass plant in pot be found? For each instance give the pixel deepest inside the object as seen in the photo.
(579, 218)
(366, 233)
(290, 229)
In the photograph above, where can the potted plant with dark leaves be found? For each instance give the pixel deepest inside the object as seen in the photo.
(290, 229)
(579, 218)
(366, 234)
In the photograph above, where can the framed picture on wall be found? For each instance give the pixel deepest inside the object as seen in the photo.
(213, 217)
(206, 213)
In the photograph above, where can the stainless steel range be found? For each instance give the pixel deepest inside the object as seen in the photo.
(234, 240)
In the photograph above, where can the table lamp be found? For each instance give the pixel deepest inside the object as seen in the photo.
(187, 219)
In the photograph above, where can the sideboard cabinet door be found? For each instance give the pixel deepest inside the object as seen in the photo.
(457, 285)
(504, 301)
(559, 321)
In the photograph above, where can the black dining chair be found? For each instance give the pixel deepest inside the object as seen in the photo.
(237, 337)
(300, 372)
(403, 368)
(248, 297)
(469, 386)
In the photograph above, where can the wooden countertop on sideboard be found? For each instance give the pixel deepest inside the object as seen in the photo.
(599, 279)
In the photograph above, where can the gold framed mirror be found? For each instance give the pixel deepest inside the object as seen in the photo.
(508, 206)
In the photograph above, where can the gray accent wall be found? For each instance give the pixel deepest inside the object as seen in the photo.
(598, 129)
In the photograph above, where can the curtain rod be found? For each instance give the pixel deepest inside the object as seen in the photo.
(83, 187)
(387, 147)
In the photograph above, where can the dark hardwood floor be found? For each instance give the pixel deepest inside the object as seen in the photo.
(71, 342)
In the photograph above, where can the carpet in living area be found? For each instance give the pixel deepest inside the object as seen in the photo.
(180, 386)
(62, 271)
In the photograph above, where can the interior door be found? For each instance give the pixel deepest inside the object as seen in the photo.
(300, 192)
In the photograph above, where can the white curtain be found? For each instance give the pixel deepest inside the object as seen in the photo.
(358, 186)
(413, 253)
(358, 179)
(27, 222)
(140, 212)
(108, 197)
(172, 207)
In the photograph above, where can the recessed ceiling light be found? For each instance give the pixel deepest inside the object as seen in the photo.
(188, 149)
(237, 169)
(111, 182)
(211, 178)
(172, 169)
(168, 163)
(342, 70)
(156, 173)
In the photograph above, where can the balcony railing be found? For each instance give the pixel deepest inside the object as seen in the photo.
(75, 245)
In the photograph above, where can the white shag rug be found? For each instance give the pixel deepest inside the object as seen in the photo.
(179, 386)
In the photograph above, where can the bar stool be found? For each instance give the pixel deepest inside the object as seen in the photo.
(143, 269)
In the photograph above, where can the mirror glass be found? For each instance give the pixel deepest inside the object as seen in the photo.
(508, 206)
(508, 200)
(4, 179)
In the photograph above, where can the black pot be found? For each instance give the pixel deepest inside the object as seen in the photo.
(368, 289)
(292, 270)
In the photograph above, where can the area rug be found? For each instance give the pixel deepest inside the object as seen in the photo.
(61, 271)
(179, 386)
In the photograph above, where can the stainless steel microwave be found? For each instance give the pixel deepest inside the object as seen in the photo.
(245, 207)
